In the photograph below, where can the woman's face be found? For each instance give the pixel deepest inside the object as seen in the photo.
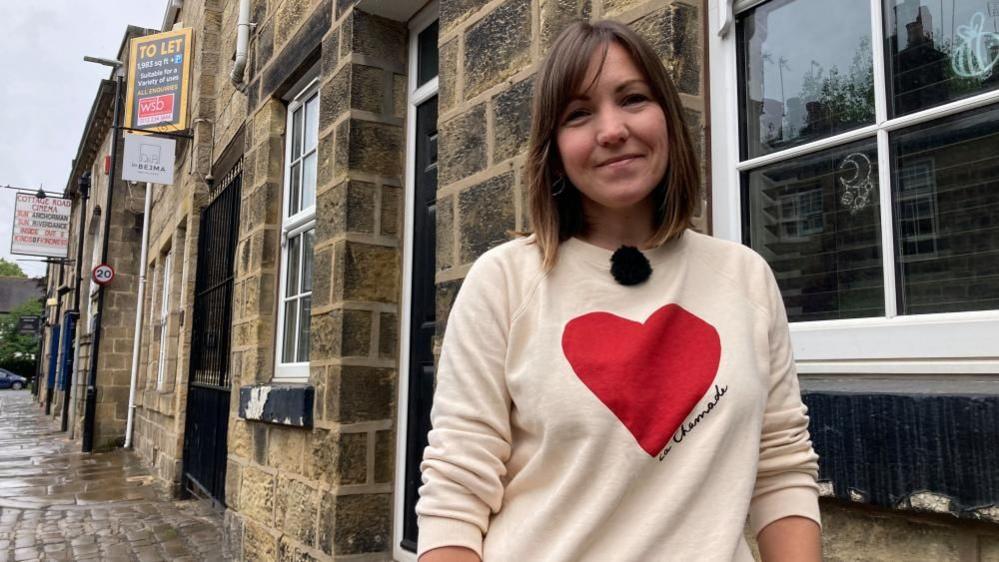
(612, 138)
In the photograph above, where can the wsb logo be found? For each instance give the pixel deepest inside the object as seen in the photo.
(155, 109)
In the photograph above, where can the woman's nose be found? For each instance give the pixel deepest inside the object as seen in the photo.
(611, 129)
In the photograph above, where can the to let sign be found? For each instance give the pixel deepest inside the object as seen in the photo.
(41, 226)
(159, 69)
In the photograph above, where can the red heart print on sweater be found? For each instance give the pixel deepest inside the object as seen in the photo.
(649, 375)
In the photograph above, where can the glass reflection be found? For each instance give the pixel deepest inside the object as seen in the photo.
(806, 72)
(816, 221)
(939, 51)
(946, 207)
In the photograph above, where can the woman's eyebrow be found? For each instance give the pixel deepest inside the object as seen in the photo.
(621, 86)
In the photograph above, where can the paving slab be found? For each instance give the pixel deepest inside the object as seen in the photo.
(57, 503)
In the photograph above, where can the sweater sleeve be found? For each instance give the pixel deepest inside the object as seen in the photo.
(788, 466)
(465, 459)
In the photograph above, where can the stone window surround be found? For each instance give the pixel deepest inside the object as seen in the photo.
(297, 224)
(947, 343)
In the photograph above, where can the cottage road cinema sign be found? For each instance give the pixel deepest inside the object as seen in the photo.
(41, 226)
(159, 70)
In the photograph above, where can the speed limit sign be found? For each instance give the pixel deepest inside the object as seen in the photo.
(103, 274)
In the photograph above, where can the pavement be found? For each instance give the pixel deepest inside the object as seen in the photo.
(59, 504)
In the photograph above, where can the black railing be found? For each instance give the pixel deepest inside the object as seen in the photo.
(209, 389)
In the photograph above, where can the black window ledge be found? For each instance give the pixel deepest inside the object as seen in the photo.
(909, 443)
(279, 404)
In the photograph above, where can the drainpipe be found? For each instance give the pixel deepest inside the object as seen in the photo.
(90, 398)
(69, 398)
(242, 43)
(137, 337)
(69, 394)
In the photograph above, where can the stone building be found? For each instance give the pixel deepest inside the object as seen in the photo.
(332, 197)
(64, 392)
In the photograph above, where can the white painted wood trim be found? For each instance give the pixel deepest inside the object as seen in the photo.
(416, 96)
(935, 343)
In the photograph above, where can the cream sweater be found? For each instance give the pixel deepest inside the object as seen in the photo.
(576, 419)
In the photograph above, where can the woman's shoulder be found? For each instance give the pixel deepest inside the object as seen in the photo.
(511, 268)
(519, 255)
(729, 259)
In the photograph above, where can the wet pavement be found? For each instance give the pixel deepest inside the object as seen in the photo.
(57, 503)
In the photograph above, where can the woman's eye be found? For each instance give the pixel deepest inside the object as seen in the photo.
(635, 98)
(573, 115)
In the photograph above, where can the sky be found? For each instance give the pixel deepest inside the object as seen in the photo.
(46, 89)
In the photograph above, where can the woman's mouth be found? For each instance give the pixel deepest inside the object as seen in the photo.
(619, 162)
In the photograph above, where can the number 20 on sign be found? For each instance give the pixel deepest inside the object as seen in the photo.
(103, 274)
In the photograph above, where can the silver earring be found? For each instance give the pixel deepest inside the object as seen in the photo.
(560, 182)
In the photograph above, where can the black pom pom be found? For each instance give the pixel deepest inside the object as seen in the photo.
(629, 266)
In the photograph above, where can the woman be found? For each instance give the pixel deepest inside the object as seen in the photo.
(638, 411)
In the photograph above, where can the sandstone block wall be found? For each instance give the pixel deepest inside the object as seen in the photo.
(174, 223)
(325, 491)
(486, 83)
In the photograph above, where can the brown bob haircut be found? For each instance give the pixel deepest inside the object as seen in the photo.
(556, 218)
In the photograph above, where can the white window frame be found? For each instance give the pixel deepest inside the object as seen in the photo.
(164, 319)
(291, 226)
(415, 96)
(95, 259)
(963, 342)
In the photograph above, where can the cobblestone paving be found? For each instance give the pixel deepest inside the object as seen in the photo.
(57, 503)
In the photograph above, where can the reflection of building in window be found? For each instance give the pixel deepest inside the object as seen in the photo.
(801, 214)
(917, 210)
(920, 67)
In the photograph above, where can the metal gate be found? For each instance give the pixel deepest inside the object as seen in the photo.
(209, 388)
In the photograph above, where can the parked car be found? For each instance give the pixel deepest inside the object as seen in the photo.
(11, 380)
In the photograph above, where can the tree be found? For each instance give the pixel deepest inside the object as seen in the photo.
(18, 351)
(10, 269)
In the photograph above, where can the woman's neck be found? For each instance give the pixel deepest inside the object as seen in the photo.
(611, 228)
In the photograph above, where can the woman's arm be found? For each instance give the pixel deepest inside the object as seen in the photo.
(790, 539)
(450, 554)
(786, 487)
(464, 462)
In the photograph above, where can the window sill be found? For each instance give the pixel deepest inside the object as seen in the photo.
(910, 445)
(954, 336)
(280, 404)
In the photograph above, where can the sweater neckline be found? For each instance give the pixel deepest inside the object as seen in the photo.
(579, 248)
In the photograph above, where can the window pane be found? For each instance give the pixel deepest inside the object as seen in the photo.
(946, 205)
(311, 123)
(940, 50)
(304, 329)
(309, 237)
(816, 220)
(806, 72)
(309, 180)
(427, 57)
(294, 199)
(291, 281)
(290, 317)
(296, 134)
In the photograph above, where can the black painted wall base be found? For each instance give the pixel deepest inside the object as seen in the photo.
(282, 404)
(922, 449)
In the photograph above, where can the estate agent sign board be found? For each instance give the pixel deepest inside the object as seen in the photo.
(159, 69)
(148, 159)
(41, 226)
